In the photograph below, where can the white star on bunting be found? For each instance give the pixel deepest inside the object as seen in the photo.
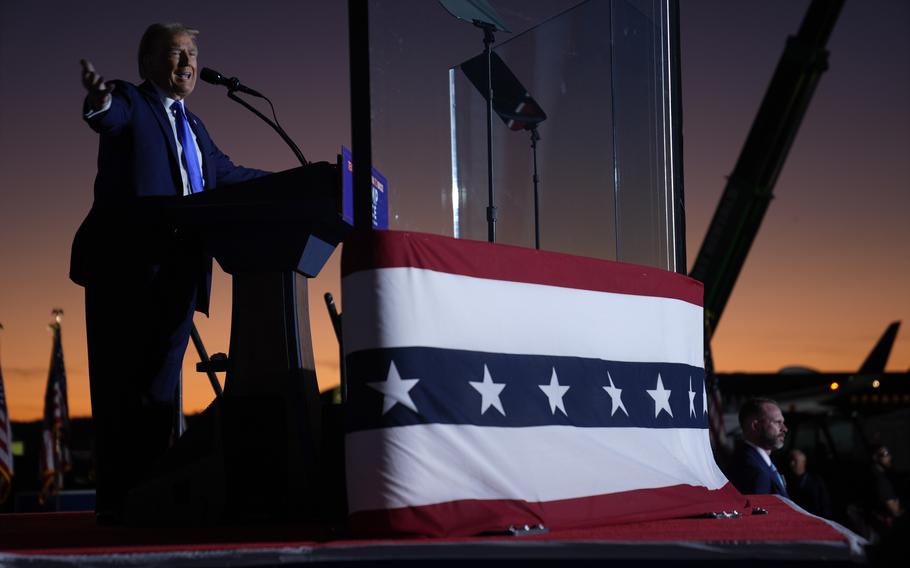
(691, 399)
(615, 396)
(661, 398)
(555, 392)
(489, 392)
(395, 390)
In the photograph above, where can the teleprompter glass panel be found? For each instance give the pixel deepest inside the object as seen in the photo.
(413, 44)
(598, 70)
(563, 65)
(647, 162)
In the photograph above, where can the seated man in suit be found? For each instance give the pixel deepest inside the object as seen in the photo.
(764, 430)
(142, 281)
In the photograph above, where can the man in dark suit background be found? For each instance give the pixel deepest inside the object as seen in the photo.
(142, 281)
(750, 469)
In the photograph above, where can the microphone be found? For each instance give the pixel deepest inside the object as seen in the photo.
(233, 84)
(334, 316)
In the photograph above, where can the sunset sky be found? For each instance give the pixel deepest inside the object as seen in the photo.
(829, 270)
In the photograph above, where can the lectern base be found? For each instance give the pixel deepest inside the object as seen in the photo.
(188, 487)
(233, 466)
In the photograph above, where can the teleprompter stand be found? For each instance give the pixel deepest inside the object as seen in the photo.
(255, 454)
(514, 105)
(483, 16)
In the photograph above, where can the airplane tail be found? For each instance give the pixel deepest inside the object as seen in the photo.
(878, 357)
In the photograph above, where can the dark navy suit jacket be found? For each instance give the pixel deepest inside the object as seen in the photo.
(121, 239)
(751, 475)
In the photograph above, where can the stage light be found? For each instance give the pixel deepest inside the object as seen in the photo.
(876, 383)
(834, 386)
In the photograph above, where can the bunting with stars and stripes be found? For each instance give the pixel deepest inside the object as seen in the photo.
(492, 386)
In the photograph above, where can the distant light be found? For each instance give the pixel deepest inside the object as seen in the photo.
(834, 386)
(876, 383)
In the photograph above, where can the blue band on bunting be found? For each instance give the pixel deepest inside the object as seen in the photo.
(522, 386)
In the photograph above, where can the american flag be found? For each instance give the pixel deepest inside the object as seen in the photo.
(55, 454)
(493, 386)
(6, 445)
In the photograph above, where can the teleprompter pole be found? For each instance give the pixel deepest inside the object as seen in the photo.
(488, 41)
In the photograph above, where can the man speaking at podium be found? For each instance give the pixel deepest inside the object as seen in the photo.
(142, 282)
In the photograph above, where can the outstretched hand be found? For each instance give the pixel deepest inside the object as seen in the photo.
(99, 92)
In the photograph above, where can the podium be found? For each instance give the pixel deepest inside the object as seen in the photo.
(255, 453)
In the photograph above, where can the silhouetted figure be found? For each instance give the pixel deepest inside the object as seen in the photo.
(883, 506)
(805, 488)
(750, 468)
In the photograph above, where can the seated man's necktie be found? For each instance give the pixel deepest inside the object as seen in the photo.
(779, 477)
(190, 159)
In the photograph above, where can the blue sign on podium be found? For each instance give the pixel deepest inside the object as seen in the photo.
(380, 209)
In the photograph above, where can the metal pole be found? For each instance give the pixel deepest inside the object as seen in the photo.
(335, 317)
(488, 40)
(534, 138)
(361, 127)
(204, 356)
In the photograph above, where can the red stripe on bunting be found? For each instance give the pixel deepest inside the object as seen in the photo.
(395, 249)
(471, 517)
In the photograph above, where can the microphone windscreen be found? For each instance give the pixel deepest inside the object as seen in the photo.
(211, 76)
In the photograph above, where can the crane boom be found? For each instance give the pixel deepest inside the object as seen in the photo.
(750, 187)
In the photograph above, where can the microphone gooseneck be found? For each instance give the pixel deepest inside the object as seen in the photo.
(234, 85)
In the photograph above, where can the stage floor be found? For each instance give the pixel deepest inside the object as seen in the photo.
(786, 535)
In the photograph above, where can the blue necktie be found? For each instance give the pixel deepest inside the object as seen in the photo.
(780, 480)
(190, 159)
